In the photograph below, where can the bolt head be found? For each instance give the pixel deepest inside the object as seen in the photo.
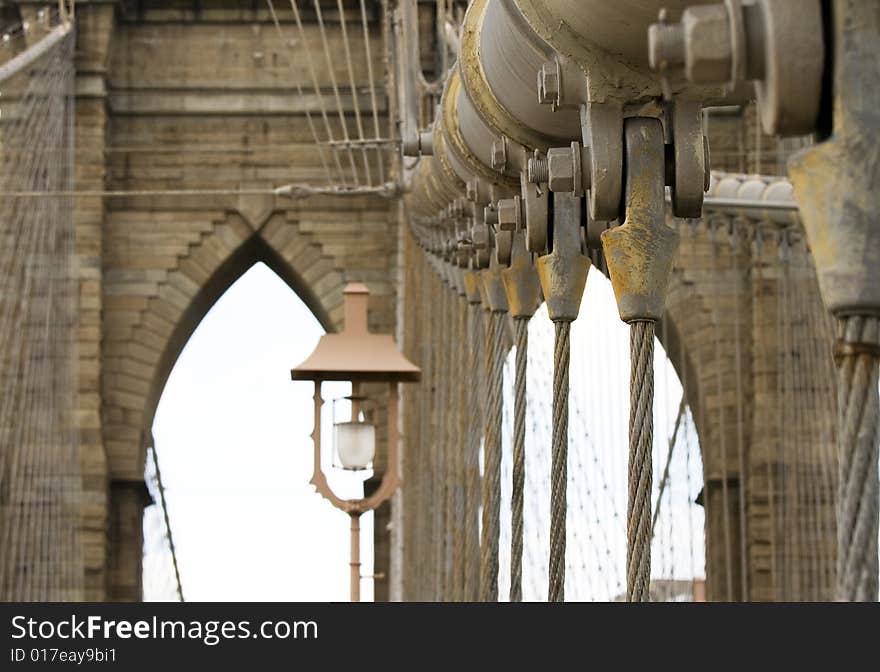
(548, 84)
(560, 168)
(707, 44)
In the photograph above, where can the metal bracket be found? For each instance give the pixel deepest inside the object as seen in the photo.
(690, 157)
(639, 253)
(521, 281)
(494, 296)
(563, 272)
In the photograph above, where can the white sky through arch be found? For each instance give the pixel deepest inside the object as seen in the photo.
(232, 435)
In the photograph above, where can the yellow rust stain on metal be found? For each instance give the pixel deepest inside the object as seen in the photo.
(563, 279)
(639, 255)
(477, 86)
(472, 284)
(523, 287)
(493, 288)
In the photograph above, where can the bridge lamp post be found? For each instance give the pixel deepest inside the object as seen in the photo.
(360, 357)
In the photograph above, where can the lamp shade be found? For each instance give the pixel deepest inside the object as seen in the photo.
(355, 444)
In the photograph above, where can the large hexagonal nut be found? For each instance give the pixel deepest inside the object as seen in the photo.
(560, 169)
(707, 44)
(508, 214)
(548, 84)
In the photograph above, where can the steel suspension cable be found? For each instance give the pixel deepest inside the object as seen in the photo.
(521, 343)
(664, 478)
(491, 527)
(559, 461)
(740, 432)
(451, 447)
(641, 439)
(473, 490)
(857, 352)
(722, 427)
(461, 446)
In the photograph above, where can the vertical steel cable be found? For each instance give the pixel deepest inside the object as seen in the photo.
(722, 424)
(641, 439)
(740, 440)
(771, 487)
(451, 447)
(461, 445)
(374, 105)
(521, 341)
(426, 540)
(491, 528)
(355, 94)
(559, 461)
(294, 7)
(439, 411)
(328, 58)
(472, 459)
(299, 90)
(859, 421)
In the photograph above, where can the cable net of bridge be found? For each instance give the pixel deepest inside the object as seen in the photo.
(41, 510)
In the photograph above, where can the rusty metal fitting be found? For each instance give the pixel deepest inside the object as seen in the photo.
(472, 285)
(639, 253)
(521, 282)
(492, 293)
(563, 272)
(509, 214)
(835, 181)
(418, 144)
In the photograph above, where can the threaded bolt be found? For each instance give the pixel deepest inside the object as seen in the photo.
(538, 170)
(666, 45)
